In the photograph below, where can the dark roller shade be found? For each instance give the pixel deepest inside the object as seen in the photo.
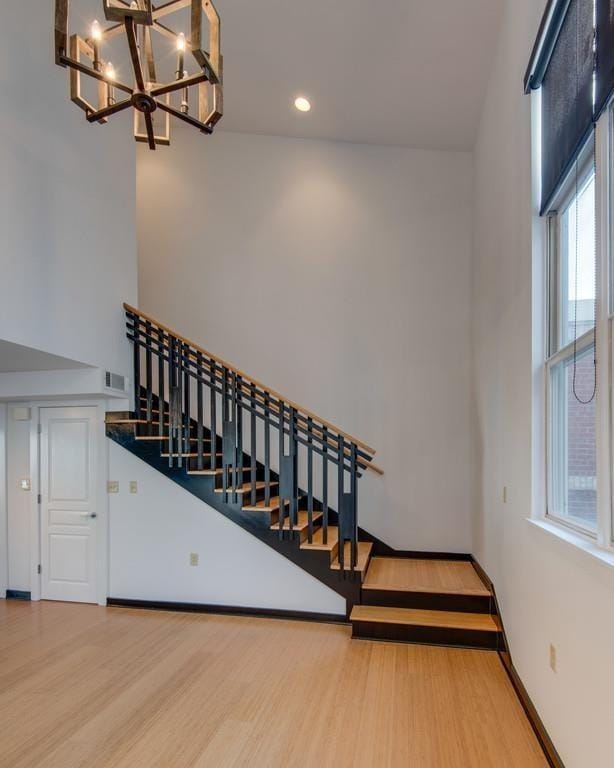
(605, 53)
(567, 96)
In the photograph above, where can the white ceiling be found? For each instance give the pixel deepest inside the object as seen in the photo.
(17, 358)
(400, 72)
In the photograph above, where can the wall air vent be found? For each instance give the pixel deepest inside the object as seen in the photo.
(115, 381)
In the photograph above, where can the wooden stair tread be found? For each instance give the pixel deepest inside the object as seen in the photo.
(260, 506)
(452, 577)
(302, 523)
(246, 487)
(318, 539)
(165, 437)
(482, 622)
(213, 472)
(362, 558)
(191, 455)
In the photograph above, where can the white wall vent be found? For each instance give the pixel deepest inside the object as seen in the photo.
(115, 381)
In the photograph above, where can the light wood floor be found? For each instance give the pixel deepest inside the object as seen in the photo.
(449, 576)
(86, 687)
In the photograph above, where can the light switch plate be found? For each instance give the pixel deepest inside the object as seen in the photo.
(21, 413)
(24, 484)
(112, 486)
(134, 488)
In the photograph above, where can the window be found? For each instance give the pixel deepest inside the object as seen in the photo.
(572, 451)
(571, 71)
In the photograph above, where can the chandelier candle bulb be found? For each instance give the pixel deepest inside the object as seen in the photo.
(185, 104)
(110, 74)
(96, 33)
(180, 55)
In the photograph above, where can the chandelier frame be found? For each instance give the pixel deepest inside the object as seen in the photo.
(137, 20)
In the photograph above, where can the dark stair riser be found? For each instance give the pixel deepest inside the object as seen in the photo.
(432, 601)
(403, 633)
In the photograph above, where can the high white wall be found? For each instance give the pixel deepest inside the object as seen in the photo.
(339, 274)
(550, 592)
(154, 531)
(67, 202)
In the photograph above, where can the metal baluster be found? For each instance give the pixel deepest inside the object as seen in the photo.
(136, 351)
(325, 486)
(267, 450)
(340, 510)
(253, 464)
(233, 394)
(172, 397)
(282, 452)
(187, 382)
(293, 464)
(239, 451)
(354, 499)
(213, 414)
(310, 479)
(199, 411)
(224, 422)
(148, 370)
(161, 400)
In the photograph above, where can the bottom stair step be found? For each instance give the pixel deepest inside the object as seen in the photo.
(469, 630)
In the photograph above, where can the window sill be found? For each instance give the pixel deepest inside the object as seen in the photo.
(587, 548)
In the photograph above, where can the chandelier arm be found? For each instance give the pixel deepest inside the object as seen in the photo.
(175, 85)
(151, 139)
(119, 106)
(185, 117)
(134, 53)
(164, 30)
(110, 32)
(149, 55)
(170, 7)
(70, 62)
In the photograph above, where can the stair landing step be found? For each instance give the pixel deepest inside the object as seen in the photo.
(450, 577)
(476, 622)
(362, 560)
(302, 523)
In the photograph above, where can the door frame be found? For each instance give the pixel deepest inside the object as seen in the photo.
(4, 523)
(102, 501)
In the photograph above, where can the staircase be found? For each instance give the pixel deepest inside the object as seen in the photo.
(290, 478)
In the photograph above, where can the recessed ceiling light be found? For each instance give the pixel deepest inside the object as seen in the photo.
(302, 104)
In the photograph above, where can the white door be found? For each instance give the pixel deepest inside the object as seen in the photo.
(68, 504)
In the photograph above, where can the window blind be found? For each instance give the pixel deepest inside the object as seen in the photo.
(567, 96)
(605, 53)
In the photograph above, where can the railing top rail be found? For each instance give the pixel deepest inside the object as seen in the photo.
(305, 411)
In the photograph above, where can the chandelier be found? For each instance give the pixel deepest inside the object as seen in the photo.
(153, 96)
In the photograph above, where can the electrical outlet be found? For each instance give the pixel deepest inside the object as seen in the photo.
(193, 558)
(134, 487)
(505, 494)
(112, 486)
(552, 657)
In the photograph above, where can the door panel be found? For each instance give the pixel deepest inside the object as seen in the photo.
(68, 503)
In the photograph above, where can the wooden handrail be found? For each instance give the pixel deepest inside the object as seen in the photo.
(224, 363)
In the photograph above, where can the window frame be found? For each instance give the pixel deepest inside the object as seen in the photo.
(556, 351)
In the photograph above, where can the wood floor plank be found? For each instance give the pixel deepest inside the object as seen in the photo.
(92, 687)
